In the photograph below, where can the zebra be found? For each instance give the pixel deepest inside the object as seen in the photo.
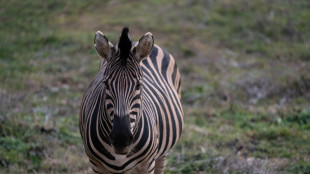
(131, 114)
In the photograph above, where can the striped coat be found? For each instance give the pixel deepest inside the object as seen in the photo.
(156, 119)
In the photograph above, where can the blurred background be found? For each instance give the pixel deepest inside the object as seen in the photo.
(245, 74)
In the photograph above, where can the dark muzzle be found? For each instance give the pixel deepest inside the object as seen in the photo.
(121, 137)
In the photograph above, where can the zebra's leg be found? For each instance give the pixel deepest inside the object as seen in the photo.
(142, 168)
(97, 168)
(101, 171)
(160, 165)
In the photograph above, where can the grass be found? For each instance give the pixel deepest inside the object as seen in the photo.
(244, 66)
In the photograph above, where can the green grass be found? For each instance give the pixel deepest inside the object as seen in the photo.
(244, 66)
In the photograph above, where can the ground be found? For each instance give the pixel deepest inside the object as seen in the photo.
(245, 80)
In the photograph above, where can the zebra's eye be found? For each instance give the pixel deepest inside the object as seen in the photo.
(106, 84)
(139, 84)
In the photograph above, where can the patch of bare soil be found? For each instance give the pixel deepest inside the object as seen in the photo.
(265, 87)
(250, 165)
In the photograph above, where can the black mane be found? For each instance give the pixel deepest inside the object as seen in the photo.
(124, 45)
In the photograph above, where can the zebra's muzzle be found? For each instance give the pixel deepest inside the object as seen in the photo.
(121, 137)
(120, 149)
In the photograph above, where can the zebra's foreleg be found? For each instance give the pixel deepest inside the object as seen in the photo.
(160, 165)
(143, 168)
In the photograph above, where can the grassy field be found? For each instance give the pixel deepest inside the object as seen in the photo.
(245, 74)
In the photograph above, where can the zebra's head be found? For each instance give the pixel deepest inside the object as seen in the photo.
(123, 85)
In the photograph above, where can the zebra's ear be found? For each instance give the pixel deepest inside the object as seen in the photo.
(144, 47)
(104, 48)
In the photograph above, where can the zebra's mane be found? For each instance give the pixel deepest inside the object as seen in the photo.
(124, 45)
